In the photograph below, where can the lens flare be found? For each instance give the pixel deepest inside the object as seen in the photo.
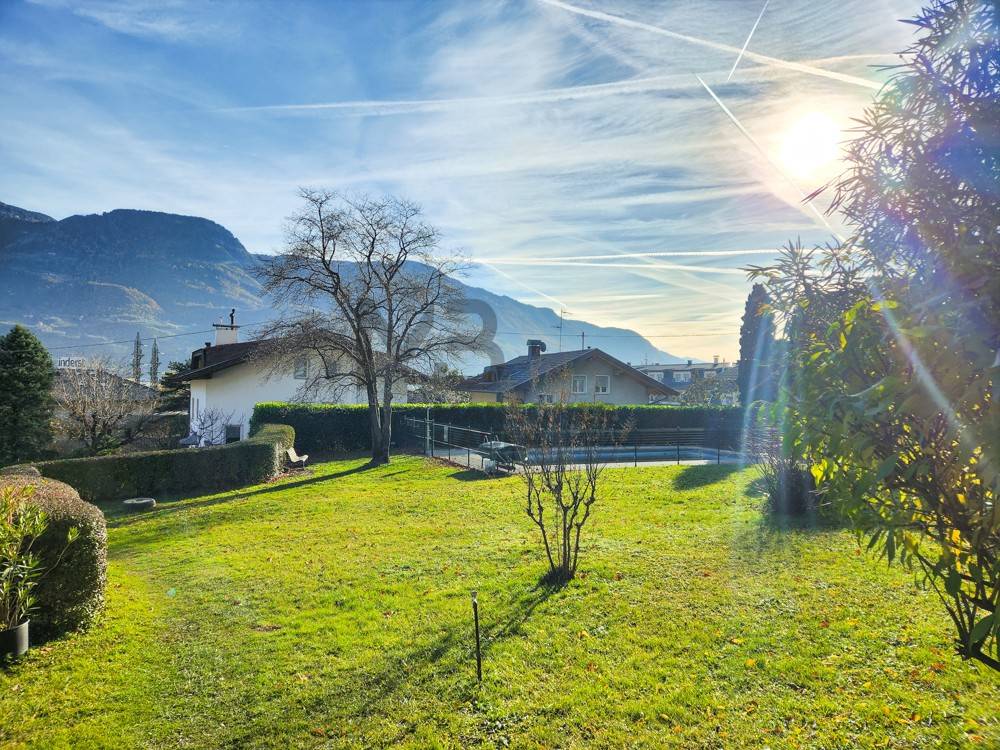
(811, 146)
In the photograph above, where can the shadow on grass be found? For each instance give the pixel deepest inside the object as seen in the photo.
(695, 476)
(119, 519)
(773, 531)
(755, 488)
(451, 652)
(470, 475)
(520, 611)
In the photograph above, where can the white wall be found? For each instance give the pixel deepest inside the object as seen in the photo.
(237, 389)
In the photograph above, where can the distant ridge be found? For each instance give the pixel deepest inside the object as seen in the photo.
(102, 277)
(13, 212)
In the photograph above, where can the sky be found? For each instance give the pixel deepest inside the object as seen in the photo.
(605, 158)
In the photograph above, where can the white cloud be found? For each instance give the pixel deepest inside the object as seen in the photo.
(171, 20)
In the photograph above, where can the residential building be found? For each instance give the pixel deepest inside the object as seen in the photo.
(228, 378)
(680, 376)
(584, 375)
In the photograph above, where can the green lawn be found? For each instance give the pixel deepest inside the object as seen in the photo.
(333, 610)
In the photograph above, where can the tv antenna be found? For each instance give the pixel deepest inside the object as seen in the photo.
(562, 312)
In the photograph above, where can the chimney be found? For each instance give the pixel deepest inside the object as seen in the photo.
(690, 362)
(535, 348)
(226, 333)
(716, 360)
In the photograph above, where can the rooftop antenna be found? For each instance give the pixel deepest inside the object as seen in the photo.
(583, 339)
(562, 312)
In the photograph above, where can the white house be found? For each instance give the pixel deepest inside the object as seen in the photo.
(584, 375)
(227, 381)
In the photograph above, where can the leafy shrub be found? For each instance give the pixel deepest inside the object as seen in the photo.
(320, 427)
(220, 467)
(69, 594)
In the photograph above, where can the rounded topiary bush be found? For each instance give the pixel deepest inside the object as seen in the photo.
(70, 595)
(21, 470)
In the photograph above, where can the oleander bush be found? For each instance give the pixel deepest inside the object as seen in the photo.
(344, 427)
(103, 478)
(70, 592)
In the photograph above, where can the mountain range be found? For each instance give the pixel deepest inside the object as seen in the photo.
(84, 282)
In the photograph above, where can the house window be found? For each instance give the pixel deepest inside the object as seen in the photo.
(545, 398)
(301, 368)
(602, 384)
(233, 432)
(682, 377)
(579, 384)
(709, 373)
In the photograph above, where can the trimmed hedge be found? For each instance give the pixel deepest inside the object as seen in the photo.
(344, 427)
(69, 595)
(151, 473)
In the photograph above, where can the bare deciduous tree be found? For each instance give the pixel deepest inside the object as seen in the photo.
(563, 457)
(367, 296)
(210, 426)
(440, 387)
(101, 408)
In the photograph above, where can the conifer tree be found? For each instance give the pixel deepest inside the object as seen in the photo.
(26, 376)
(137, 359)
(154, 365)
(756, 345)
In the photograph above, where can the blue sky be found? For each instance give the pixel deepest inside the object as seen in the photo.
(567, 148)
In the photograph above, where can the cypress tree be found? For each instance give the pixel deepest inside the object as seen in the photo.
(26, 376)
(137, 359)
(154, 365)
(756, 343)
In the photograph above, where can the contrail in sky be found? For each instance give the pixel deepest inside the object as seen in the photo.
(763, 59)
(655, 254)
(402, 106)
(493, 263)
(760, 149)
(520, 283)
(749, 37)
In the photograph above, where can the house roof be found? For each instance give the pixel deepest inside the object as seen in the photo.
(220, 357)
(224, 356)
(693, 366)
(525, 369)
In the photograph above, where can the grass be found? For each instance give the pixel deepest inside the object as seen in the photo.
(333, 610)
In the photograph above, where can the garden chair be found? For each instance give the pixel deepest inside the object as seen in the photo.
(294, 458)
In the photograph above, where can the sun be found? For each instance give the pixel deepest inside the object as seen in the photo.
(810, 147)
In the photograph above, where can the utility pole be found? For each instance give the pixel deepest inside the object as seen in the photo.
(583, 339)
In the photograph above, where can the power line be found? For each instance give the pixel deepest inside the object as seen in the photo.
(129, 341)
(113, 343)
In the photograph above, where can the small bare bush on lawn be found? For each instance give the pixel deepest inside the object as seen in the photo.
(561, 467)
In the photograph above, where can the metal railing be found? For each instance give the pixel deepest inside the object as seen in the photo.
(452, 443)
(462, 445)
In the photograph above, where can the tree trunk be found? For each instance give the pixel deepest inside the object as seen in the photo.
(386, 432)
(378, 450)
